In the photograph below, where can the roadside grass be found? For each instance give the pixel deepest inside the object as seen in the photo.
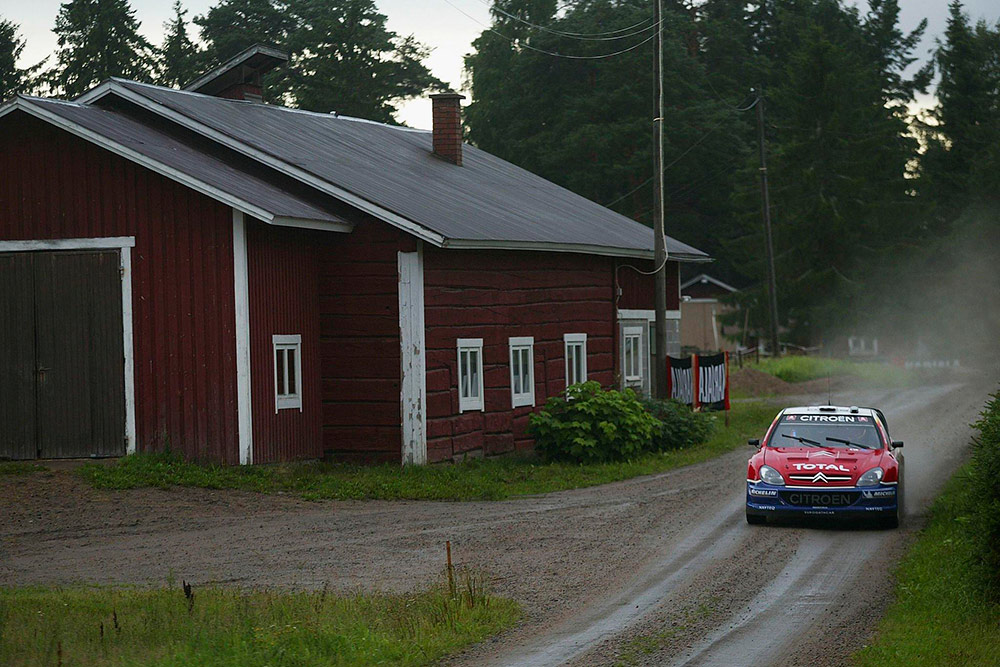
(479, 479)
(131, 626)
(941, 616)
(19, 467)
(801, 369)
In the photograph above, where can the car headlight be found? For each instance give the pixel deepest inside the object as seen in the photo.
(769, 475)
(871, 478)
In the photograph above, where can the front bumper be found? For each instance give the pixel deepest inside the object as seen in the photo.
(836, 502)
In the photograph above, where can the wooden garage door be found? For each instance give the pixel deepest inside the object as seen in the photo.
(62, 392)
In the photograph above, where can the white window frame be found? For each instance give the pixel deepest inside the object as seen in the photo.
(632, 332)
(518, 399)
(468, 403)
(282, 343)
(575, 341)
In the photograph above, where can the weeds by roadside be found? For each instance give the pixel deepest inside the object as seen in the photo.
(485, 479)
(218, 626)
(19, 467)
(802, 369)
(942, 615)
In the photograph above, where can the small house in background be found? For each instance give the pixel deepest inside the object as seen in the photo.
(245, 283)
(701, 309)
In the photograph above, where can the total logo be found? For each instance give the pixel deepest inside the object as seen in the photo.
(821, 466)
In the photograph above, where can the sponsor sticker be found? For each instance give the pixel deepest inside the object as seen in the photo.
(885, 493)
(819, 499)
(762, 492)
(826, 419)
(821, 466)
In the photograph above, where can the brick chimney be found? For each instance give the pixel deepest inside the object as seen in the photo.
(447, 108)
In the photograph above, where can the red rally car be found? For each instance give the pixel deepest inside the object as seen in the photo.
(826, 461)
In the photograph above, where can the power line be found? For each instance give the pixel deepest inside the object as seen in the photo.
(672, 163)
(584, 36)
(551, 53)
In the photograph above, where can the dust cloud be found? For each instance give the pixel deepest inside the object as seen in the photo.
(941, 302)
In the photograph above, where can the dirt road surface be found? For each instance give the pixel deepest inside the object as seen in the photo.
(656, 570)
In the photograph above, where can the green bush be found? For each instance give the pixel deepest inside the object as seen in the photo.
(679, 426)
(590, 424)
(985, 471)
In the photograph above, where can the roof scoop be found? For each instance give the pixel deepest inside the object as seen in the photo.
(239, 78)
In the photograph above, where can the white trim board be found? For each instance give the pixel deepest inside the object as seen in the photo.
(633, 314)
(171, 173)
(241, 289)
(125, 254)
(100, 243)
(412, 346)
(124, 245)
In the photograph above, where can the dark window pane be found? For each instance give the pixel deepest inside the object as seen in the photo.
(279, 365)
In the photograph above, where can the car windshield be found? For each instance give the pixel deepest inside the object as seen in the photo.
(799, 431)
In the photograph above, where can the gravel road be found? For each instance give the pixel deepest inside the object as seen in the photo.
(660, 569)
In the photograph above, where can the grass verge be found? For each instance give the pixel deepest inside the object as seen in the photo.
(801, 369)
(19, 467)
(941, 616)
(98, 626)
(484, 479)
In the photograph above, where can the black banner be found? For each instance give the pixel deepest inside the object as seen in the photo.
(713, 381)
(681, 379)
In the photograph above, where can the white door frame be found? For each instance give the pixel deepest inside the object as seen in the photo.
(124, 245)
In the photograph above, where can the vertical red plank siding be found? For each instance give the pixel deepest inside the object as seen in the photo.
(284, 279)
(359, 342)
(55, 185)
(638, 290)
(495, 296)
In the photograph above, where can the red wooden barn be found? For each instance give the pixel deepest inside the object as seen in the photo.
(197, 271)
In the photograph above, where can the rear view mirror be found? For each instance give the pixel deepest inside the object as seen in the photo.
(897, 443)
(756, 443)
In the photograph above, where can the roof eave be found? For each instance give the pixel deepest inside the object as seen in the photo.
(25, 105)
(579, 248)
(407, 225)
(416, 229)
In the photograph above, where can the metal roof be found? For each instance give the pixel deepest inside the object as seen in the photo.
(176, 156)
(486, 203)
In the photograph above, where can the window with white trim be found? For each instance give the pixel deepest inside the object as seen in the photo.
(470, 374)
(287, 371)
(522, 371)
(632, 354)
(576, 358)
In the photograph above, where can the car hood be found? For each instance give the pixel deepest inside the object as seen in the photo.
(822, 466)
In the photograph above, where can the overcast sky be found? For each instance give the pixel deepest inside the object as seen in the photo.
(447, 26)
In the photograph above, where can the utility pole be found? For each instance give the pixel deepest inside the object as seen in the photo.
(772, 290)
(659, 240)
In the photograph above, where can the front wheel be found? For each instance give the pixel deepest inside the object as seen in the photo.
(755, 519)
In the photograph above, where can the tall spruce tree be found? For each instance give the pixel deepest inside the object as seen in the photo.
(588, 123)
(180, 59)
(962, 160)
(839, 155)
(14, 79)
(235, 25)
(98, 39)
(344, 59)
